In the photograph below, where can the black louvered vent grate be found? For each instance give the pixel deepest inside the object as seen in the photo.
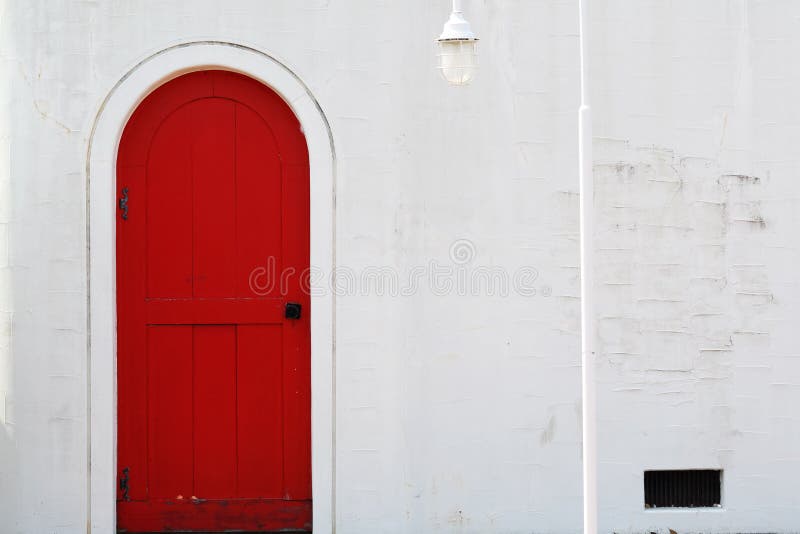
(691, 488)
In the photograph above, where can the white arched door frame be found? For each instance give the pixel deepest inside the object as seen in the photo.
(111, 118)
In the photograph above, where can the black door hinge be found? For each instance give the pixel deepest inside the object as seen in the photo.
(123, 204)
(123, 484)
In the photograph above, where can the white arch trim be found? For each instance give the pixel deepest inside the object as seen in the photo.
(114, 112)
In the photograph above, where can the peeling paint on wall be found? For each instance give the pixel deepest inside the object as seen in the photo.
(686, 309)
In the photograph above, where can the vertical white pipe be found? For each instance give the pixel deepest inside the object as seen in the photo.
(589, 422)
(457, 7)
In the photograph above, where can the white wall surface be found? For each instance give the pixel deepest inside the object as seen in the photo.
(697, 190)
(461, 413)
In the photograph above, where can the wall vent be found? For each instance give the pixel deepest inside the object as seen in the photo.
(688, 488)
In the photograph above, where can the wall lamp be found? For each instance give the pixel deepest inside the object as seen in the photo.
(458, 48)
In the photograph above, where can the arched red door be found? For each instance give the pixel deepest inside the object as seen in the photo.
(213, 372)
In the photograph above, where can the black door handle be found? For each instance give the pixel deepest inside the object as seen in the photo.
(292, 310)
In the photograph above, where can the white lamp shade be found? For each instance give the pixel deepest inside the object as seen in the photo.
(458, 60)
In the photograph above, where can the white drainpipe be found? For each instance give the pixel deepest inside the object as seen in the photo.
(588, 387)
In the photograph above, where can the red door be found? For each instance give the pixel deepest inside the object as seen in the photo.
(213, 378)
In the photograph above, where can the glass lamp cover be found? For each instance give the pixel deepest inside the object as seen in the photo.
(458, 60)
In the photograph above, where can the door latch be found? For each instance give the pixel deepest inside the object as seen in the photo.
(123, 203)
(292, 310)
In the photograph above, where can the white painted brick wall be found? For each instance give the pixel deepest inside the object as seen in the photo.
(461, 413)
(696, 172)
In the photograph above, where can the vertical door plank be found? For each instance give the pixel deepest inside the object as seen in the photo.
(132, 336)
(169, 353)
(214, 412)
(260, 412)
(258, 199)
(297, 342)
(168, 210)
(214, 171)
(296, 412)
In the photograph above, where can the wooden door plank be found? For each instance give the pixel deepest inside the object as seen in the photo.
(214, 412)
(297, 411)
(169, 355)
(260, 411)
(260, 260)
(241, 515)
(131, 330)
(297, 341)
(214, 311)
(214, 190)
(169, 210)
